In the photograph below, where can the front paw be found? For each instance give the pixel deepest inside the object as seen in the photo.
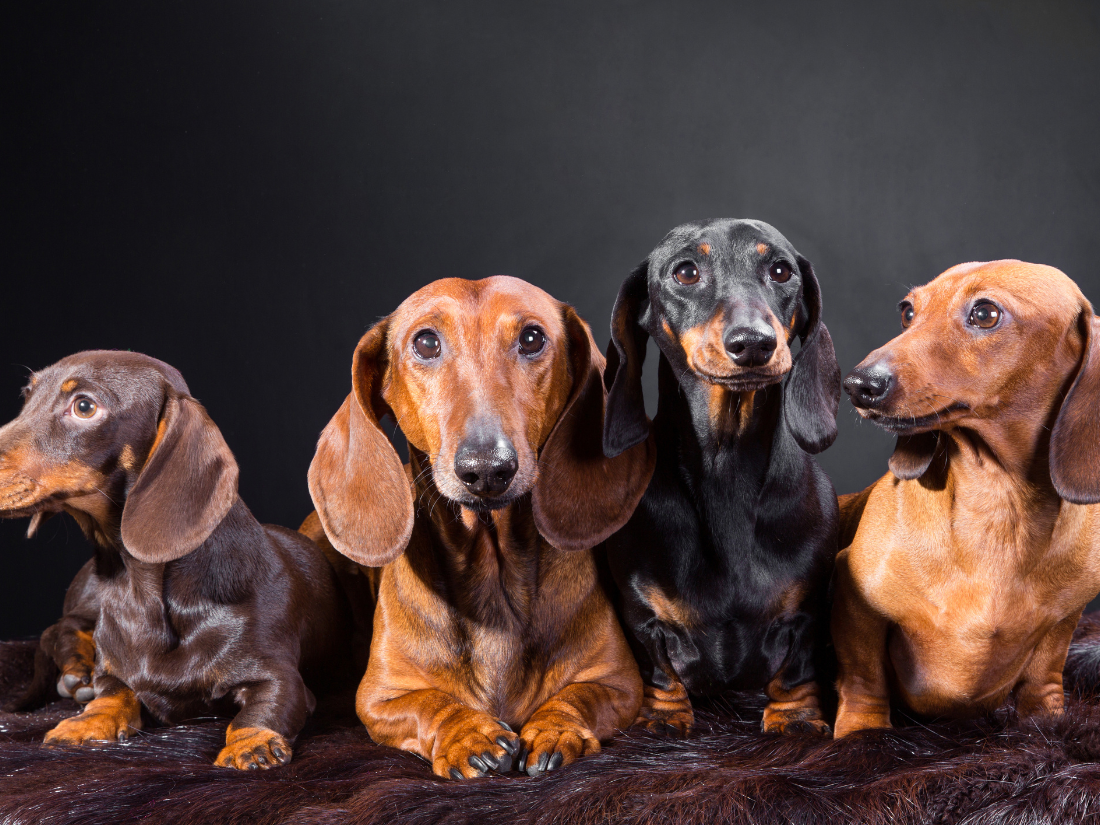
(800, 721)
(553, 741)
(251, 749)
(474, 749)
(674, 723)
(76, 681)
(92, 727)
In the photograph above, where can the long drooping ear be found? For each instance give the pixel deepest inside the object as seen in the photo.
(812, 388)
(582, 496)
(356, 480)
(625, 423)
(912, 455)
(185, 489)
(1075, 440)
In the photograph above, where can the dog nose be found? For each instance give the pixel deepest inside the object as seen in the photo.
(869, 386)
(486, 468)
(750, 346)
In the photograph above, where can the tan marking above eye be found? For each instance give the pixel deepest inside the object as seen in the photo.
(69, 385)
(704, 249)
(761, 249)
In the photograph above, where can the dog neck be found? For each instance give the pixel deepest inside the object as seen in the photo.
(711, 420)
(490, 559)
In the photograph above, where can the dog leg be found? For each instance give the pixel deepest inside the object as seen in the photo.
(460, 742)
(1040, 688)
(74, 653)
(859, 634)
(113, 715)
(271, 715)
(794, 710)
(666, 706)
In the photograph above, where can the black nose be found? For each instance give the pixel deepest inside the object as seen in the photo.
(750, 346)
(486, 467)
(869, 386)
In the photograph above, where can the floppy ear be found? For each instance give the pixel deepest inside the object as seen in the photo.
(812, 388)
(912, 455)
(185, 489)
(582, 496)
(625, 423)
(356, 480)
(1074, 447)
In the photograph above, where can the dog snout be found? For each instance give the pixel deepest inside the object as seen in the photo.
(750, 345)
(486, 466)
(868, 386)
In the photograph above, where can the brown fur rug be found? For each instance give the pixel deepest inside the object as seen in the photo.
(991, 770)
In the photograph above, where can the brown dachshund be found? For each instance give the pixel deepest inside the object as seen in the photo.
(490, 617)
(964, 571)
(196, 607)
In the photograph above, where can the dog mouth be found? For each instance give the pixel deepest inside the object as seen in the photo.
(742, 382)
(911, 424)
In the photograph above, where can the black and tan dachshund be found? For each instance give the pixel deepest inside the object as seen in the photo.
(196, 607)
(723, 569)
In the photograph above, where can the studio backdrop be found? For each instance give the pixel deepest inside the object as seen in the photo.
(242, 189)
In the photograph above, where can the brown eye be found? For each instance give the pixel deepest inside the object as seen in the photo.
(84, 407)
(531, 341)
(686, 273)
(780, 272)
(984, 315)
(907, 314)
(426, 344)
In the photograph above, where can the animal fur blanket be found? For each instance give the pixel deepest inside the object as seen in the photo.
(991, 770)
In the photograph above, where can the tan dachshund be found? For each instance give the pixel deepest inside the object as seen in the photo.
(490, 617)
(963, 572)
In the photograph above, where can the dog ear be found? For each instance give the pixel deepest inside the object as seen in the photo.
(356, 480)
(912, 455)
(625, 424)
(812, 388)
(1074, 449)
(185, 489)
(582, 496)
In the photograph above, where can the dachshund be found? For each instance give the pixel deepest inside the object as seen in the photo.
(190, 606)
(724, 568)
(964, 570)
(494, 642)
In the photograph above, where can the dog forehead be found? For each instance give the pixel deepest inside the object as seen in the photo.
(468, 307)
(727, 241)
(1029, 288)
(128, 376)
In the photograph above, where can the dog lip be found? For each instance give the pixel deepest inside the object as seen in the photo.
(911, 425)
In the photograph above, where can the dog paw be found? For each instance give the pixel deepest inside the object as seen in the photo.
(802, 722)
(474, 750)
(91, 727)
(672, 723)
(550, 743)
(251, 749)
(76, 683)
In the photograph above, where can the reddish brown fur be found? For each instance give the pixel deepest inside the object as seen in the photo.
(483, 615)
(963, 586)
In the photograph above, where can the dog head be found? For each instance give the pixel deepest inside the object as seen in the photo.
(115, 439)
(724, 300)
(499, 386)
(1004, 349)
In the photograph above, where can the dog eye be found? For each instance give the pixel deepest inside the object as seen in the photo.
(426, 343)
(984, 315)
(531, 341)
(780, 272)
(907, 314)
(84, 407)
(686, 273)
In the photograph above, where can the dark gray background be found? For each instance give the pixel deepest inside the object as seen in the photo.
(241, 189)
